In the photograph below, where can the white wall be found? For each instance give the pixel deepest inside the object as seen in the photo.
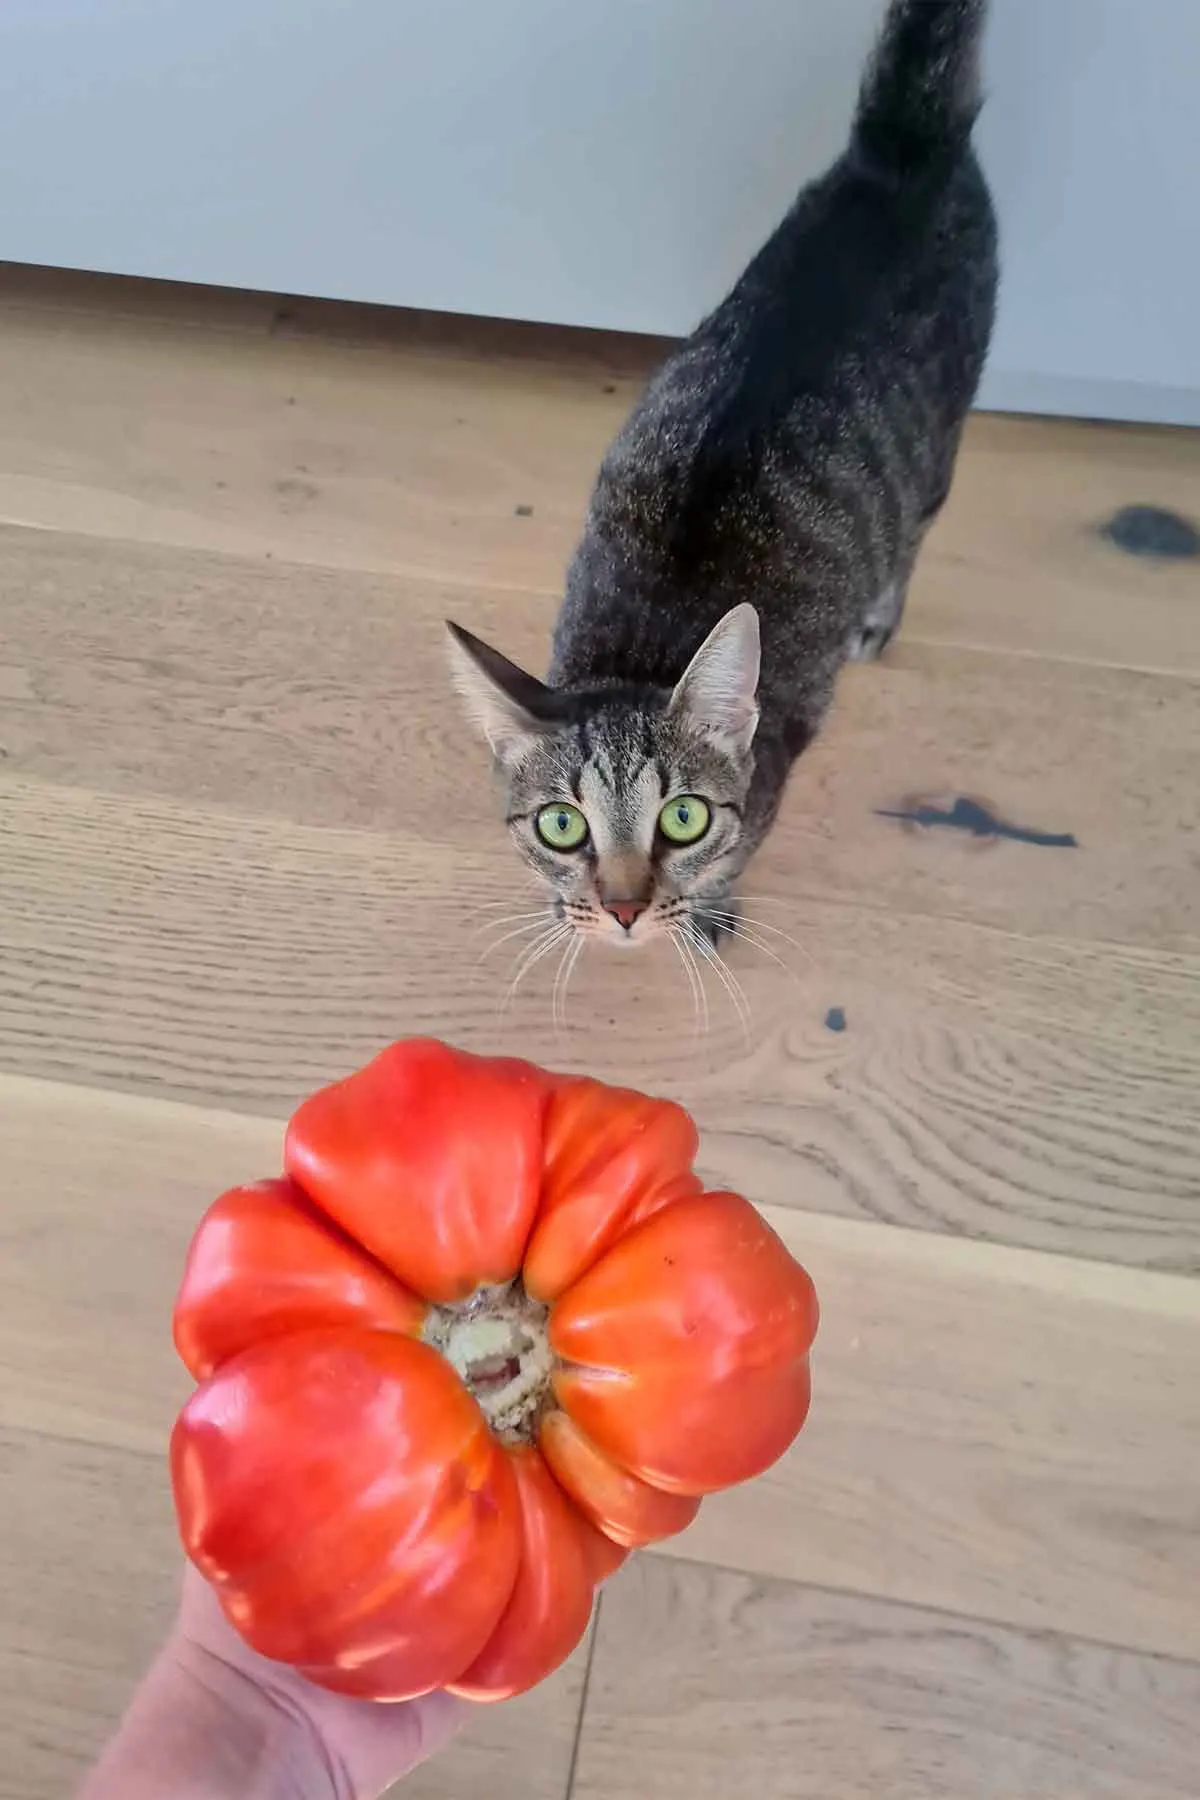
(608, 164)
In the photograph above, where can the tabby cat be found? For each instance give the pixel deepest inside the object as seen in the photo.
(755, 523)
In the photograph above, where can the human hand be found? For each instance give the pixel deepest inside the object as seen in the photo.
(360, 1746)
(213, 1720)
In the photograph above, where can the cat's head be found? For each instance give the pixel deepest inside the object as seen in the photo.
(627, 801)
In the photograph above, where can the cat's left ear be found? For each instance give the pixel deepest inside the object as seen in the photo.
(718, 688)
(511, 708)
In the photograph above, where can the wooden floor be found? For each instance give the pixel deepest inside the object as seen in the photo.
(244, 839)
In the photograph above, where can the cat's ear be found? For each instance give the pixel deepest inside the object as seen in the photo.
(717, 689)
(510, 707)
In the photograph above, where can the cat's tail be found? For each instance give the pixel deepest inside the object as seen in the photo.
(923, 87)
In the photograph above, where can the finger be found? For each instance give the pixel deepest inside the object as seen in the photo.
(378, 1743)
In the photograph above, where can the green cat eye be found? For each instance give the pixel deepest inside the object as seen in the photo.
(685, 819)
(562, 827)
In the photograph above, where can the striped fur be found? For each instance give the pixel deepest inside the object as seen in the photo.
(791, 454)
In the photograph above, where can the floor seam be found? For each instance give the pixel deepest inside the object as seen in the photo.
(584, 1694)
(873, 1597)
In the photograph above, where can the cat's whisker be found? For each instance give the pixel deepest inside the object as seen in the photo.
(738, 912)
(500, 911)
(677, 946)
(533, 953)
(699, 997)
(558, 975)
(729, 982)
(744, 900)
(736, 928)
(726, 977)
(764, 899)
(506, 937)
(521, 921)
(755, 926)
(580, 941)
(496, 907)
(562, 981)
(729, 920)
(552, 935)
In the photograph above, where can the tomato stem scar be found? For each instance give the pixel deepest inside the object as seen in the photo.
(497, 1343)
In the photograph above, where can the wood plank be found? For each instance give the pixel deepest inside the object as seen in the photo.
(324, 698)
(342, 453)
(707, 1684)
(1104, 756)
(1019, 561)
(238, 851)
(102, 1193)
(30, 293)
(996, 1433)
(88, 1568)
(364, 438)
(1033, 1091)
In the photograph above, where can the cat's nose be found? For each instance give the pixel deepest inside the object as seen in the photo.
(625, 912)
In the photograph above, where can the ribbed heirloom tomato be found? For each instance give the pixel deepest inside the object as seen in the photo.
(486, 1334)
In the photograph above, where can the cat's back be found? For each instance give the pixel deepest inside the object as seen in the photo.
(834, 378)
(868, 282)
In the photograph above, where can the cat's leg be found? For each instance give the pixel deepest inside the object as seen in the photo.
(881, 620)
(878, 625)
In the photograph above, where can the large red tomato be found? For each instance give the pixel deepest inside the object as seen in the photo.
(485, 1335)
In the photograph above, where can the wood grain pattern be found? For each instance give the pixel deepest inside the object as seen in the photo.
(324, 698)
(358, 438)
(707, 1683)
(1027, 1454)
(244, 840)
(1028, 1090)
(997, 1433)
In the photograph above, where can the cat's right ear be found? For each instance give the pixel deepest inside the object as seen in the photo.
(509, 707)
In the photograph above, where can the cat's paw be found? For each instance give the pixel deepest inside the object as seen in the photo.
(869, 644)
(878, 627)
